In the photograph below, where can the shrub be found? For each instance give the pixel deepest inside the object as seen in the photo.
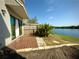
(43, 30)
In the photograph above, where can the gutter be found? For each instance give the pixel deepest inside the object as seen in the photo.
(19, 2)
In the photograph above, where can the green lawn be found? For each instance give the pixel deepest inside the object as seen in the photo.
(62, 39)
(50, 43)
(69, 38)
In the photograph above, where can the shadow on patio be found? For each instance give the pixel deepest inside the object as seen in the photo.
(8, 53)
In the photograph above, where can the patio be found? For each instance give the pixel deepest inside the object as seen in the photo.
(24, 42)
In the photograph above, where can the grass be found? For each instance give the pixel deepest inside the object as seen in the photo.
(69, 38)
(58, 37)
(49, 43)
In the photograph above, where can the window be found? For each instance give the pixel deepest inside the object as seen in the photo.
(20, 27)
(12, 21)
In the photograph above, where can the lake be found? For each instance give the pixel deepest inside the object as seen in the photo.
(69, 32)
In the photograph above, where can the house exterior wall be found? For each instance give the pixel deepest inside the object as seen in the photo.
(5, 25)
(5, 28)
(30, 29)
(25, 22)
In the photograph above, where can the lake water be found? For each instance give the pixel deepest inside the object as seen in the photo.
(69, 32)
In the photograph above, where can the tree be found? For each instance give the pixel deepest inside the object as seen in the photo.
(33, 20)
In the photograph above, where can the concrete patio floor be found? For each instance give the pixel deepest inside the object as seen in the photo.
(24, 42)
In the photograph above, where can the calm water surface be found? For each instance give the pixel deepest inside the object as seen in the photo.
(69, 32)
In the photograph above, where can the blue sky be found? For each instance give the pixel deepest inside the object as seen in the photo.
(54, 12)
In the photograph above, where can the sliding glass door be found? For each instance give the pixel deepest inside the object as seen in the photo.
(12, 21)
(16, 27)
(20, 27)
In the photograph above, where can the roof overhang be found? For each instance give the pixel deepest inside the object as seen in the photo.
(17, 11)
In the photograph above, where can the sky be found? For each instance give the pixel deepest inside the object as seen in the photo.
(54, 12)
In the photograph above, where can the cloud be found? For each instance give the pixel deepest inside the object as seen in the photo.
(50, 1)
(51, 17)
(49, 10)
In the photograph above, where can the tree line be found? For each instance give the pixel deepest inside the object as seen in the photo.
(67, 27)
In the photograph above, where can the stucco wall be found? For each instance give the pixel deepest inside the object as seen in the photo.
(5, 26)
(5, 29)
(25, 22)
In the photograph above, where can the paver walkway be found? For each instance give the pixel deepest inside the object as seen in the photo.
(40, 42)
(24, 42)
